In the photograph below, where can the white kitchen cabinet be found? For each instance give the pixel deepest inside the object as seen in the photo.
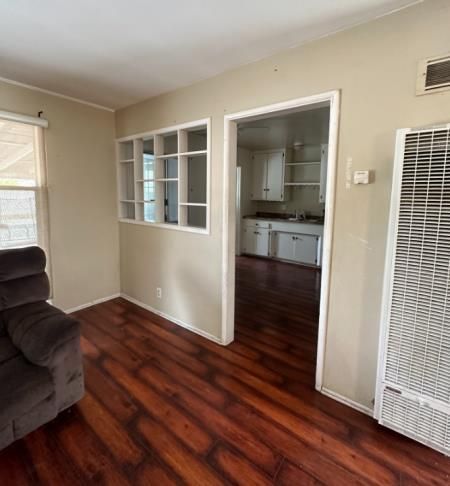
(259, 176)
(268, 175)
(256, 241)
(295, 247)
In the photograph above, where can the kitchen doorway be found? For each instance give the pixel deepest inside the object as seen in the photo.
(267, 162)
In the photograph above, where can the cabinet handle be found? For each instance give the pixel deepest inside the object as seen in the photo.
(256, 233)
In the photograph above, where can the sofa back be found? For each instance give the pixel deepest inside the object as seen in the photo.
(22, 277)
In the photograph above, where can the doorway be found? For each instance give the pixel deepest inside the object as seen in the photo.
(254, 116)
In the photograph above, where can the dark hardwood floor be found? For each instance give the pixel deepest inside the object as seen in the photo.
(165, 406)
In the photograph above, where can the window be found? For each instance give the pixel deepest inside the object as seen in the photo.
(23, 206)
(163, 177)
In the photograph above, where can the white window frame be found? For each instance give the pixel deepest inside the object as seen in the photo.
(135, 161)
(41, 188)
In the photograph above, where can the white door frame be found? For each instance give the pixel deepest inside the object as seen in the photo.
(229, 214)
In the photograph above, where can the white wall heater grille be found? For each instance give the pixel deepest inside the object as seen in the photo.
(413, 389)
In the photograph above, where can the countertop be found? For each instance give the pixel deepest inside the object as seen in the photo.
(314, 221)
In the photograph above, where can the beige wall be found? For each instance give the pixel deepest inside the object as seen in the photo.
(82, 194)
(374, 66)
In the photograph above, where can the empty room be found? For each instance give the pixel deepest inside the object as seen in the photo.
(225, 242)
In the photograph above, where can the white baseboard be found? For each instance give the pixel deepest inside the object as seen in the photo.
(346, 401)
(90, 304)
(189, 327)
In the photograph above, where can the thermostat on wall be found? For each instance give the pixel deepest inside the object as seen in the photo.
(361, 177)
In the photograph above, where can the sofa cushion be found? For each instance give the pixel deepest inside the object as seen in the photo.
(7, 349)
(24, 290)
(21, 262)
(23, 386)
(38, 329)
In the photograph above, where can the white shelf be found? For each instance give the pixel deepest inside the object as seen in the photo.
(303, 163)
(172, 179)
(144, 201)
(193, 153)
(127, 201)
(168, 156)
(201, 205)
(126, 161)
(302, 183)
(145, 180)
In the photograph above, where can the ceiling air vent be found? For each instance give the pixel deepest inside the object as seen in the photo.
(433, 75)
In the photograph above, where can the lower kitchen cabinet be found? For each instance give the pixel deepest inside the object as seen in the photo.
(295, 247)
(256, 241)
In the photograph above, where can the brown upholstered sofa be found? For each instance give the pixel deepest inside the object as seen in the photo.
(41, 370)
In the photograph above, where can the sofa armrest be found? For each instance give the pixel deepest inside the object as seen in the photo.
(39, 329)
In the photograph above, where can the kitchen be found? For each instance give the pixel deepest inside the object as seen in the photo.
(281, 186)
(280, 205)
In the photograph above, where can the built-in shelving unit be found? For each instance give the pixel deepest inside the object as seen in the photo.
(164, 177)
(303, 168)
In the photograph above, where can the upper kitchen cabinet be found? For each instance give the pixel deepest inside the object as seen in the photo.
(268, 175)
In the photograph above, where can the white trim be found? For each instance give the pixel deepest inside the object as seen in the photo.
(58, 95)
(161, 131)
(204, 122)
(346, 401)
(29, 120)
(90, 304)
(187, 229)
(228, 242)
(179, 322)
(389, 265)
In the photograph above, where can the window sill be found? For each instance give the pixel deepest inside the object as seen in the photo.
(186, 229)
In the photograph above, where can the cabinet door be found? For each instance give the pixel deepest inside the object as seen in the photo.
(305, 249)
(259, 177)
(256, 241)
(283, 246)
(275, 176)
(296, 247)
(323, 173)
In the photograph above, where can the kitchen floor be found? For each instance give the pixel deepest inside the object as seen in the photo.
(277, 310)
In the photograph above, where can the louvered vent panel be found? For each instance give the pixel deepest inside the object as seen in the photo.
(419, 421)
(417, 354)
(433, 75)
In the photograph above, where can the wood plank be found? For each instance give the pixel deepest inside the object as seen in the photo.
(192, 470)
(342, 452)
(290, 474)
(298, 451)
(236, 468)
(218, 423)
(153, 474)
(180, 423)
(93, 461)
(112, 396)
(110, 432)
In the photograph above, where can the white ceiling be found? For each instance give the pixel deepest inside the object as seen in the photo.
(115, 52)
(305, 126)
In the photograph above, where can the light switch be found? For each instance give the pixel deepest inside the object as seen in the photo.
(361, 177)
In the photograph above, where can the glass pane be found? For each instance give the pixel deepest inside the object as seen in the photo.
(149, 166)
(17, 154)
(149, 212)
(197, 216)
(197, 179)
(171, 168)
(149, 191)
(17, 218)
(171, 202)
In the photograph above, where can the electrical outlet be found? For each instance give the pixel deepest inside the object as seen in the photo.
(159, 292)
